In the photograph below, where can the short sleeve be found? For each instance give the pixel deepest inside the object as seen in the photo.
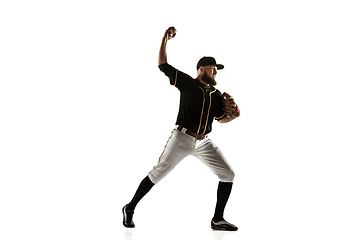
(177, 78)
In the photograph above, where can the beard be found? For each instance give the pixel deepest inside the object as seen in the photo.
(209, 80)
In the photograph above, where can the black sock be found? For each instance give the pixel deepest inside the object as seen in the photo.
(143, 189)
(223, 193)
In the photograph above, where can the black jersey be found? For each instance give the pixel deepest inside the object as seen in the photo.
(199, 104)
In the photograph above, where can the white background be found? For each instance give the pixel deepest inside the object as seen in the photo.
(85, 114)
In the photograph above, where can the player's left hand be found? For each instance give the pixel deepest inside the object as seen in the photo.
(231, 109)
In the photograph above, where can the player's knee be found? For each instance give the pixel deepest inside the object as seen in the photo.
(229, 176)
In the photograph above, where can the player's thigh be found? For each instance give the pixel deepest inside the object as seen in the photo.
(213, 157)
(177, 147)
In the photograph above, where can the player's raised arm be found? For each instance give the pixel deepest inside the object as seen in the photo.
(169, 34)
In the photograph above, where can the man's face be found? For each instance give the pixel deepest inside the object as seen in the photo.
(210, 74)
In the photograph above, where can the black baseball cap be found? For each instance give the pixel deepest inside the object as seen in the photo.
(206, 61)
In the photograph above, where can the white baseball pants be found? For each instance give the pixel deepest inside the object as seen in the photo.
(181, 145)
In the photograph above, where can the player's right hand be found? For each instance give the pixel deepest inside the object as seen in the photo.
(170, 33)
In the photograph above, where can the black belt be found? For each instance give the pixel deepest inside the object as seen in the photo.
(197, 136)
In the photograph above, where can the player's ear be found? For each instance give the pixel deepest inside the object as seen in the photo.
(200, 71)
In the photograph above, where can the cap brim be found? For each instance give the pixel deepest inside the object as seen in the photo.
(219, 66)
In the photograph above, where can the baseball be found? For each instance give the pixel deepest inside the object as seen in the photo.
(172, 32)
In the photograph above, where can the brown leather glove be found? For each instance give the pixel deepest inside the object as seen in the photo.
(230, 107)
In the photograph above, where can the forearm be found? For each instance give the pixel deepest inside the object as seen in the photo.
(226, 120)
(169, 34)
(162, 52)
(230, 117)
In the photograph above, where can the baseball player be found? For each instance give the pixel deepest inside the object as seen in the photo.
(200, 103)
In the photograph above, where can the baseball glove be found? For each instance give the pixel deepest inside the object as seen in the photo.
(230, 107)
